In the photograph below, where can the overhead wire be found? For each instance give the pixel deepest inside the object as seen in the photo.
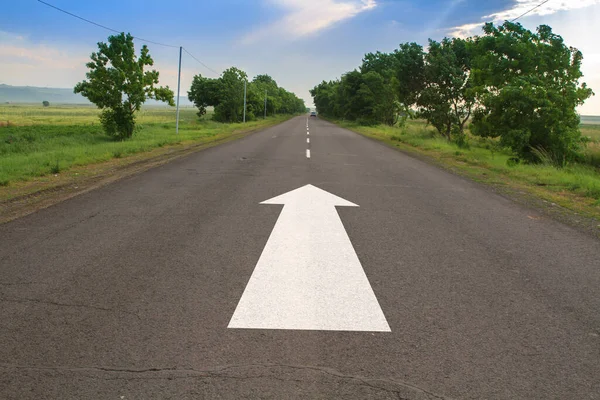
(200, 62)
(135, 37)
(530, 11)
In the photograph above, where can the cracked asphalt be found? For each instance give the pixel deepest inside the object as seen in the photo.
(126, 292)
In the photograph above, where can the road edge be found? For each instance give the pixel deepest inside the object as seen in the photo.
(583, 223)
(21, 206)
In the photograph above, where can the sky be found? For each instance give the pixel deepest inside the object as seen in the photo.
(298, 42)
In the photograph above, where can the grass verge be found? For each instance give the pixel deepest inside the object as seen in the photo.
(576, 187)
(49, 146)
(45, 159)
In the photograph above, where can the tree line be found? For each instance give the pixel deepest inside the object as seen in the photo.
(510, 83)
(119, 82)
(226, 95)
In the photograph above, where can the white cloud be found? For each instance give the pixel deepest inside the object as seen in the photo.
(306, 17)
(551, 7)
(464, 31)
(518, 9)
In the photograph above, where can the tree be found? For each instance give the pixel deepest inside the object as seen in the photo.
(204, 92)
(384, 64)
(325, 97)
(226, 94)
(231, 96)
(262, 84)
(117, 84)
(46, 103)
(410, 73)
(448, 98)
(379, 72)
(528, 86)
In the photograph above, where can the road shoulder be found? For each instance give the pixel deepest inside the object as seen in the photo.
(584, 219)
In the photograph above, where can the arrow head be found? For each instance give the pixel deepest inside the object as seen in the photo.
(309, 195)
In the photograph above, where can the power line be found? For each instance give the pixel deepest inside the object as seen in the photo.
(143, 40)
(200, 62)
(135, 37)
(102, 26)
(533, 9)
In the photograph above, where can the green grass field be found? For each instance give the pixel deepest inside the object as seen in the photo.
(36, 141)
(483, 160)
(591, 131)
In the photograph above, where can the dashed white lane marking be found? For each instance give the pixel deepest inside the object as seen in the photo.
(307, 153)
(308, 133)
(307, 140)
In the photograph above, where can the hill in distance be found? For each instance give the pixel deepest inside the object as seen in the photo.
(32, 94)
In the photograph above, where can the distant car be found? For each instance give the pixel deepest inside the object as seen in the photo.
(313, 114)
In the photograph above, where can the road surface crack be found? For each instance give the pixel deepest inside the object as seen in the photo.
(21, 283)
(53, 303)
(222, 372)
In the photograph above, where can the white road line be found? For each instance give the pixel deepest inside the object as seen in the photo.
(307, 153)
(307, 132)
(308, 276)
(307, 140)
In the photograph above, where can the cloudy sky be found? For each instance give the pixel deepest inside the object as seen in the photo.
(298, 42)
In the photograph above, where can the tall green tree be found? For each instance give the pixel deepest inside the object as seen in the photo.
(528, 84)
(231, 96)
(325, 97)
(266, 84)
(204, 92)
(447, 98)
(410, 73)
(118, 83)
(379, 72)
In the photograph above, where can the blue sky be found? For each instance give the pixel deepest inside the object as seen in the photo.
(298, 42)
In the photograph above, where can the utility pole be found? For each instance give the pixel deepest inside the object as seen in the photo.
(178, 86)
(265, 104)
(245, 100)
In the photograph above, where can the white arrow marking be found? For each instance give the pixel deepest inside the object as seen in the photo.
(308, 276)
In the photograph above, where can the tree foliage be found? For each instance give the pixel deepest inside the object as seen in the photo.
(368, 98)
(528, 90)
(520, 86)
(226, 95)
(118, 83)
(410, 73)
(46, 103)
(447, 97)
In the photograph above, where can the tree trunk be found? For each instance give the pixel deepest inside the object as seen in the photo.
(448, 131)
(464, 121)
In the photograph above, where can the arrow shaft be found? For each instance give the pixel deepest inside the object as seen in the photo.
(309, 277)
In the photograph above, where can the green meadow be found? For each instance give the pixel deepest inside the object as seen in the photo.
(36, 141)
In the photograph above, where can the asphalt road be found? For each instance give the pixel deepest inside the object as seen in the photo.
(126, 292)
